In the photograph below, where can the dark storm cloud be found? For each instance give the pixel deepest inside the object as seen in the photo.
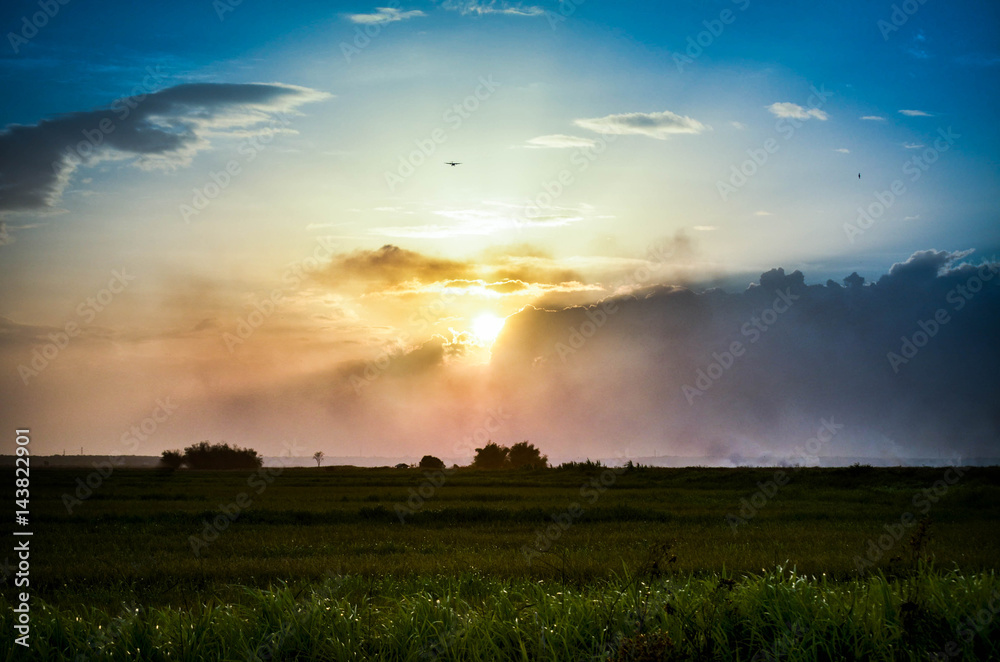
(37, 160)
(908, 364)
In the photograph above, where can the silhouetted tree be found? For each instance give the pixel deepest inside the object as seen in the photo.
(491, 456)
(431, 462)
(204, 455)
(318, 456)
(172, 459)
(526, 456)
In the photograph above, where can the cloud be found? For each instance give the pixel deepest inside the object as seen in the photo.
(161, 129)
(873, 118)
(490, 289)
(560, 141)
(843, 150)
(654, 125)
(762, 213)
(391, 270)
(5, 236)
(18, 334)
(912, 145)
(915, 113)
(384, 15)
(795, 111)
(924, 266)
(391, 265)
(823, 356)
(466, 7)
(738, 125)
(705, 228)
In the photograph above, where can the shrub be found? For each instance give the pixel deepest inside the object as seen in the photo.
(526, 456)
(431, 462)
(204, 455)
(171, 459)
(491, 456)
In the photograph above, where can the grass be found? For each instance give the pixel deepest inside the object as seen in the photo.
(776, 615)
(320, 566)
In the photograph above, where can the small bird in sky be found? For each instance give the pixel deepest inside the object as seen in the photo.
(859, 175)
(452, 163)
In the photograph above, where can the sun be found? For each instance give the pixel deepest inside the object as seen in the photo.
(487, 327)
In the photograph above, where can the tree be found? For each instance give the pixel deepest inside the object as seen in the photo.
(526, 456)
(172, 459)
(318, 456)
(431, 462)
(491, 456)
(204, 455)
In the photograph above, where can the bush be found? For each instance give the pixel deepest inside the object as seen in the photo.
(171, 459)
(431, 462)
(526, 456)
(221, 456)
(491, 456)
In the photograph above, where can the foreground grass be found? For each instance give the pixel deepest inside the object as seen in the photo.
(322, 567)
(645, 615)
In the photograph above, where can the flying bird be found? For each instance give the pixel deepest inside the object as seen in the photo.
(859, 175)
(452, 163)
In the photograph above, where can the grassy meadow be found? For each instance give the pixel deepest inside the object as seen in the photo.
(583, 563)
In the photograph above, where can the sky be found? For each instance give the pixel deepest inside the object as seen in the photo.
(236, 221)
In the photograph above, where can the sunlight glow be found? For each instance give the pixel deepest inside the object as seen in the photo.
(487, 327)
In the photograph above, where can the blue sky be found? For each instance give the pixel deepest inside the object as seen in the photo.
(587, 133)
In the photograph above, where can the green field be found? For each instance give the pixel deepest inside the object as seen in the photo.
(567, 564)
